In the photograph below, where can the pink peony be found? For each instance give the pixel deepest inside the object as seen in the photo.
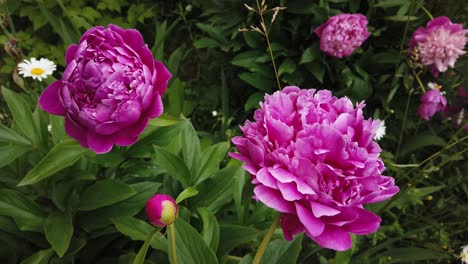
(439, 44)
(161, 210)
(432, 102)
(110, 89)
(342, 34)
(312, 157)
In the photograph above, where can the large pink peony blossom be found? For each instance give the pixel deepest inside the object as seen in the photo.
(110, 89)
(342, 34)
(439, 44)
(312, 157)
(432, 102)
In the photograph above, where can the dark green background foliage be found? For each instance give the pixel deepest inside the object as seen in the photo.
(60, 203)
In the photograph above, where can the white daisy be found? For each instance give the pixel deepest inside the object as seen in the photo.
(464, 254)
(36, 69)
(214, 113)
(380, 131)
(434, 85)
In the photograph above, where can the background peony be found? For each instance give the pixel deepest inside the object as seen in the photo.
(312, 157)
(110, 89)
(342, 34)
(432, 102)
(439, 44)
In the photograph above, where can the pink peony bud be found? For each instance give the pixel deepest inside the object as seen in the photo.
(342, 34)
(161, 210)
(432, 102)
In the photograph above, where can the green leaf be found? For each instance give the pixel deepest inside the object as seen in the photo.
(58, 230)
(232, 236)
(165, 120)
(343, 256)
(173, 165)
(247, 59)
(187, 193)
(59, 157)
(210, 232)
(254, 101)
(424, 191)
(101, 217)
(310, 54)
(104, 193)
(40, 257)
(414, 254)
(26, 213)
(22, 114)
(258, 81)
(202, 43)
(288, 66)
(211, 158)
(421, 141)
(137, 229)
(58, 128)
(281, 251)
(214, 32)
(318, 70)
(8, 135)
(9, 153)
(390, 3)
(140, 257)
(190, 146)
(190, 246)
(217, 190)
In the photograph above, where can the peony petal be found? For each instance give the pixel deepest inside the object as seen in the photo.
(98, 143)
(77, 132)
(50, 100)
(157, 107)
(163, 77)
(365, 224)
(71, 53)
(265, 178)
(313, 225)
(334, 238)
(289, 191)
(272, 198)
(291, 226)
(319, 209)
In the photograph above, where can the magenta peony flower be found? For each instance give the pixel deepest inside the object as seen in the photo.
(342, 34)
(439, 44)
(312, 157)
(110, 89)
(432, 102)
(161, 210)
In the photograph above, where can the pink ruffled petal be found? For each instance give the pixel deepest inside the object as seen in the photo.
(50, 100)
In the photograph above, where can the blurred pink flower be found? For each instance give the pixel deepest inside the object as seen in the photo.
(161, 210)
(439, 44)
(432, 102)
(312, 157)
(110, 89)
(342, 34)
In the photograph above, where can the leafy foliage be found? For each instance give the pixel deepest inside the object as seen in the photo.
(59, 203)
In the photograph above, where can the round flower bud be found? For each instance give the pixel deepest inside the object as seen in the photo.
(161, 210)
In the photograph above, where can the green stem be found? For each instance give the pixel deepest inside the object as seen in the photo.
(403, 125)
(266, 239)
(173, 242)
(425, 11)
(260, 12)
(421, 85)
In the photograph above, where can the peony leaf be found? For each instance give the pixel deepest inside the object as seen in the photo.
(40, 257)
(211, 159)
(190, 246)
(140, 257)
(103, 193)
(173, 165)
(187, 193)
(59, 157)
(280, 251)
(58, 230)
(26, 213)
(210, 232)
(138, 230)
(9, 153)
(232, 236)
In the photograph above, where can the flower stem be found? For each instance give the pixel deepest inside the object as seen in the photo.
(266, 239)
(425, 11)
(260, 12)
(173, 242)
(421, 85)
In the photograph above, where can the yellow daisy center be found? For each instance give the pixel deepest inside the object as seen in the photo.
(37, 71)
